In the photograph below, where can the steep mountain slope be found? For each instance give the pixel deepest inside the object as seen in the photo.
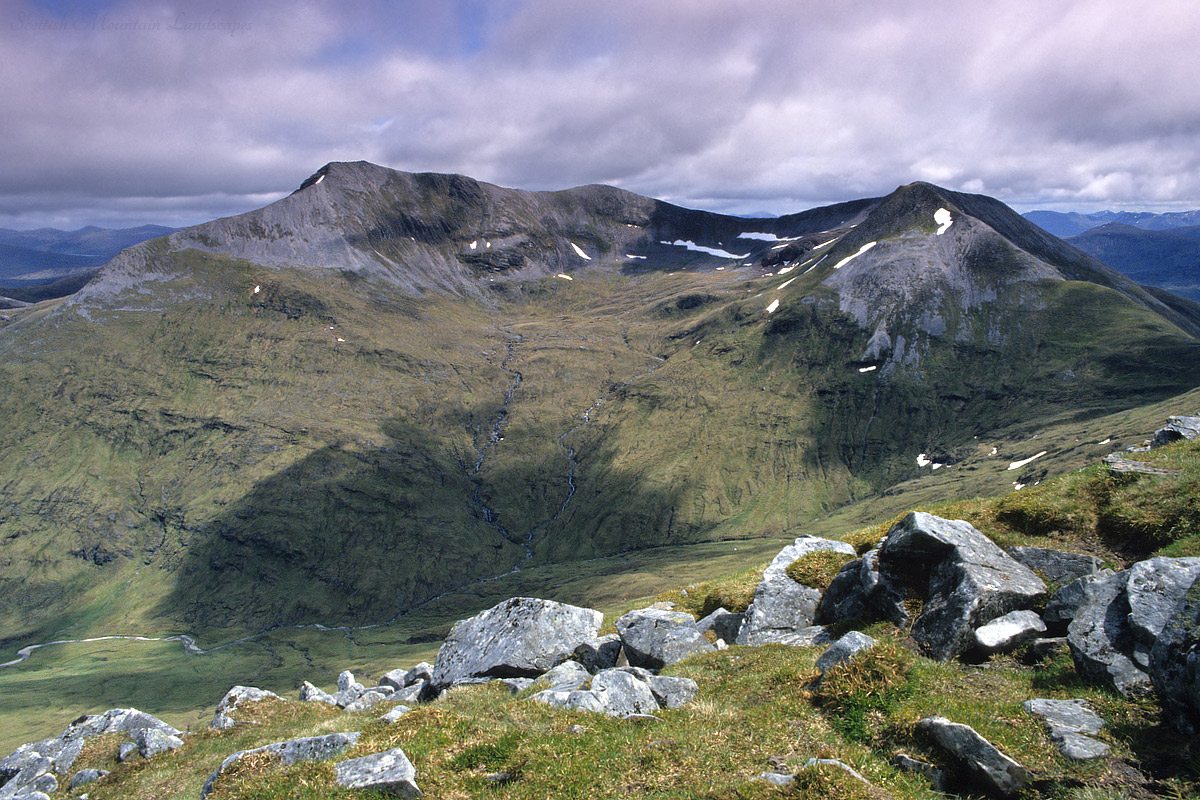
(1169, 259)
(386, 386)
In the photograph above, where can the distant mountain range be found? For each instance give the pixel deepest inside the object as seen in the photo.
(46, 255)
(1065, 224)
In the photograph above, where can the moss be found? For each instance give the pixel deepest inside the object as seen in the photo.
(817, 569)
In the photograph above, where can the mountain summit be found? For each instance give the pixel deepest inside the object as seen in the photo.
(389, 387)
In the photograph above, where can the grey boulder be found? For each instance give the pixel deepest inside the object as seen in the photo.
(600, 653)
(782, 606)
(621, 692)
(844, 650)
(222, 717)
(983, 763)
(655, 637)
(1009, 631)
(1175, 665)
(971, 580)
(151, 741)
(1071, 724)
(1100, 640)
(724, 625)
(1056, 566)
(518, 638)
(312, 748)
(311, 694)
(389, 773)
(1177, 428)
(86, 776)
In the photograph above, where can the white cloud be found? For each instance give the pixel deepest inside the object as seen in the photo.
(734, 106)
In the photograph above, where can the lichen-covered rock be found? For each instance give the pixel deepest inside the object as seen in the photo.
(366, 700)
(782, 606)
(395, 714)
(1175, 665)
(312, 748)
(672, 692)
(311, 694)
(1064, 605)
(971, 580)
(389, 773)
(1009, 631)
(1155, 588)
(517, 638)
(621, 692)
(844, 650)
(655, 637)
(603, 652)
(151, 741)
(86, 776)
(983, 762)
(1177, 428)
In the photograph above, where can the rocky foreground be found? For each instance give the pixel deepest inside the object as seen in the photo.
(957, 593)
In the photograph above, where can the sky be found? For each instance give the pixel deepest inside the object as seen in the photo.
(155, 111)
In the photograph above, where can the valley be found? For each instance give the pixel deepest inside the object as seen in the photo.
(313, 436)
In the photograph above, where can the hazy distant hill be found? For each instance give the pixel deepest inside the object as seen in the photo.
(48, 254)
(1168, 259)
(1066, 224)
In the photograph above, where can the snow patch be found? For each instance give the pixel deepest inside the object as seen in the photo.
(318, 180)
(1106, 441)
(995, 451)
(785, 284)
(923, 460)
(712, 251)
(850, 258)
(786, 270)
(774, 305)
(872, 368)
(1023, 462)
(474, 244)
(936, 466)
(943, 219)
(257, 289)
(763, 237)
(628, 255)
(564, 276)
(579, 251)
(720, 269)
(814, 266)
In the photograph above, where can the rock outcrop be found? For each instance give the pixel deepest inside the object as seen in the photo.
(654, 637)
(517, 638)
(980, 760)
(783, 609)
(312, 748)
(389, 773)
(1175, 664)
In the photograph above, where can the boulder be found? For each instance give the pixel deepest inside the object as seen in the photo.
(126, 751)
(1100, 639)
(775, 778)
(1175, 665)
(420, 692)
(518, 638)
(151, 741)
(34, 776)
(1071, 724)
(1064, 605)
(600, 653)
(1156, 588)
(621, 693)
(989, 768)
(1177, 428)
(724, 625)
(312, 748)
(655, 637)
(1007, 632)
(971, 580)
(569, 675)
(311, 694)
(423, 671)
(782, 606)
(846, 599)
(389, 773)
(844, 650)
(222, 718)
(366, 700)
(86, 776)
(516, 685)
(672, 692)
(394, 678)
(396, 713)
(1056, 566)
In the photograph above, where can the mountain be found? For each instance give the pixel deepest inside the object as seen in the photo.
(46, 255)
(387, 386)
(1067, 224)
(1169, 259)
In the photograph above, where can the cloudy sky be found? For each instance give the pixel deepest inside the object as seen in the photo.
(121, 113)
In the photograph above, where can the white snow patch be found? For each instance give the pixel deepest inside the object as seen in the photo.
(763, 237)
(340, 339)
(769, 275)
(774, 305)
(318, 180)
(786, 270)
(1023, 462)
(564, 276)
(850, 258)
(936, 466)
(785, 284)
(995, 451)
(923, 460)
(579, 251)
(474, 244)
(712, 251)
(814, 266)
(780, 246)
(871, 368)
(257, 289)
(720, 269)
(943, 219)
(628, 255)
(1018, 486)
(489, 246)
(1106, 441)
